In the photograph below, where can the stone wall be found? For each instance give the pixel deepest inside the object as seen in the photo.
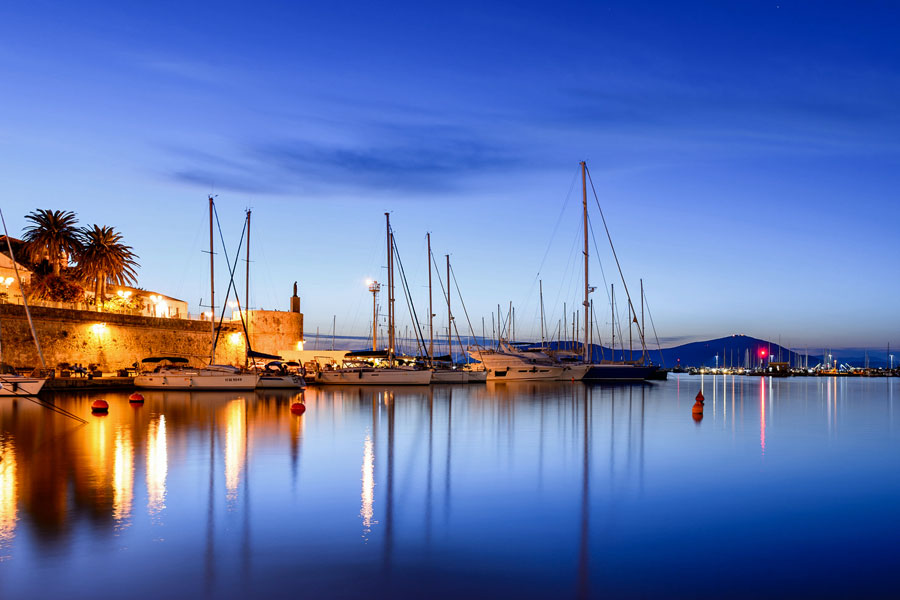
(113, 341)
(272, 331)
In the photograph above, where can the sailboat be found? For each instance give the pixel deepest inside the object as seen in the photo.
(611, 370)
(444, 371)
(275, 373)
(361, 372)
(176, 376)
(11, 383)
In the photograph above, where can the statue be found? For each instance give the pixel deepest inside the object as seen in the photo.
(295, 289)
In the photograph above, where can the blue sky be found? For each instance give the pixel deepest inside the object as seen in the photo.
(746, 154)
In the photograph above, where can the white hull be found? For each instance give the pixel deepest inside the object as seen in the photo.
(458, 376)
(512, 364)
(281, 381)
(14, 385)
(370, 376)
(196, 381)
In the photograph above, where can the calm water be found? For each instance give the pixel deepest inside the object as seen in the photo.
(785, 487)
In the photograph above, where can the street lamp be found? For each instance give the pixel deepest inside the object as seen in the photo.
(374, 287)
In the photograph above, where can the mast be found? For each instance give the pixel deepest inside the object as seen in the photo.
(247, 289)
(541, 284)
(390, 257)
(449, 315)
(586, 292)
(212, 286)
(612, 303)
(374, 287)
(430, 308)
(12, 257)
(643, 345)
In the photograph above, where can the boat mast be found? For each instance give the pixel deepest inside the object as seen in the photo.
(247, 291)
(390, 258)
(430, 308)
(643, 345)
(12, 257)
(586, 300)
(449, 315)
(541, 284)
(212, 286)
(612, 303)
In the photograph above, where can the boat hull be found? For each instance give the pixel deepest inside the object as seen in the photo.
(12, 385)
(153, 381)
(620, 372)
(373, 377)
(455, 376)
(281, 381)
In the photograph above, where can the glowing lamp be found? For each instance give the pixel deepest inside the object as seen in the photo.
(234, 339)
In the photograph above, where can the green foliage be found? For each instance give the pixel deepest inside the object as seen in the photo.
(52, 236)
(54, 288)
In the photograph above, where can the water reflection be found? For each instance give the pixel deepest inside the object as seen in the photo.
(157, 465)
(8, 495)
(123, 476)
(235, 446)
(538, 489)
(368, 486)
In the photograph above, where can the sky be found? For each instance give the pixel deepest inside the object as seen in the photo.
(745, 154)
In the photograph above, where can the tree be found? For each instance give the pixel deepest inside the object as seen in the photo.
(104, 259)
(53, 235)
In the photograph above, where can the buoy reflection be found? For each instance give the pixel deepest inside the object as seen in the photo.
(157, 465)
(8, 496)
(367, 510)
(123, 476)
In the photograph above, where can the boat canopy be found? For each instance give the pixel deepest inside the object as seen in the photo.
(173, 359)
(255, 354)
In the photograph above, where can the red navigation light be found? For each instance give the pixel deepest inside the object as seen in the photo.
(762, 352)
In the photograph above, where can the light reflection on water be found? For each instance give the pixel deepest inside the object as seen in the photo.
(527, 489)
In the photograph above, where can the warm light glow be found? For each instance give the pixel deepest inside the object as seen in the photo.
(762, 352)
(235, 446)
(300, 345)
(157, 465)
(123, 476)
(370, 281)
(368, 486)
(234, 339)
(8, 496)
(232, 304)
(123, 294)
(8, 281)
(98, 328)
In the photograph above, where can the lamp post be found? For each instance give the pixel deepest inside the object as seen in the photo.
(374, 287)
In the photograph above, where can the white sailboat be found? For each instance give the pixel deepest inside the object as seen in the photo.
(352, 372)
(445, 371)
(212, 377)
(11, 383)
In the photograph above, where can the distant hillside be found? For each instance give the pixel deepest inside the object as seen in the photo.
(733, 350)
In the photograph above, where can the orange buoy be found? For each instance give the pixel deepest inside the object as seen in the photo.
(100, 407)
(135, 397)
(698, 416)
(298, 408)
(700, 397)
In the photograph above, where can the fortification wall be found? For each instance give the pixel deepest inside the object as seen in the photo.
(111, 340)
(272, 331)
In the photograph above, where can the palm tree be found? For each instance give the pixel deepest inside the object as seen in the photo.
(53, 235)
(105, 259)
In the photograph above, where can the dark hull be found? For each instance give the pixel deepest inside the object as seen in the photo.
(620, 373)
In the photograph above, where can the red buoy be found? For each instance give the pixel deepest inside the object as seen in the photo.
(298, 408)
(135, 397)
(100, 407)
(700, 397)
